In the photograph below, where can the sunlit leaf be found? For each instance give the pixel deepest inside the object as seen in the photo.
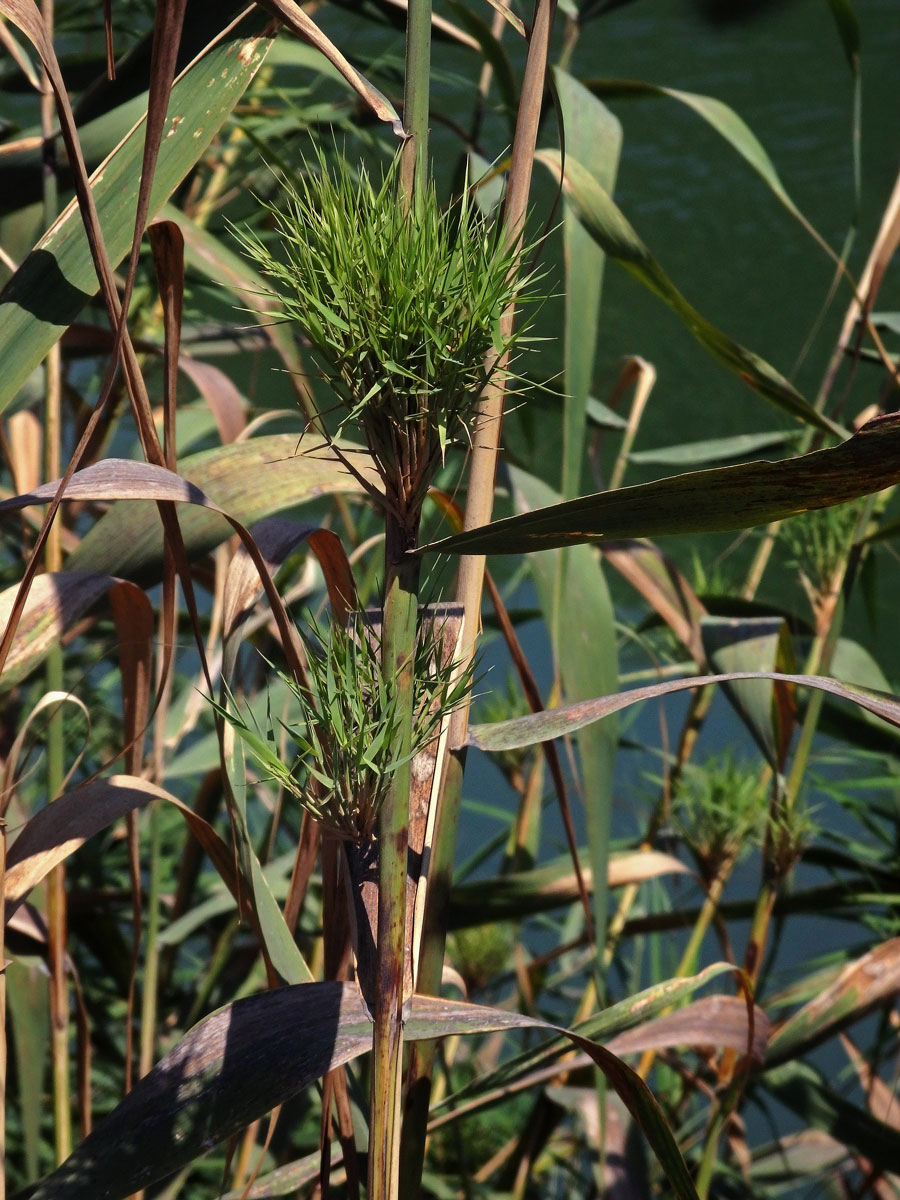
(520, 893)
(711, 1021)
(723, 498)
(860, 986)
(557, 722)
(57, 279)
(616, 1019)
(593, 136)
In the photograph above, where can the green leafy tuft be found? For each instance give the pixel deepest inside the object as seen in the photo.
(401, 309)
(344, 722)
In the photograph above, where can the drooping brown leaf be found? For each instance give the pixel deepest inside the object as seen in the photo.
(276, 538)
(60, 828)
(250, 479)
(861, 986)
(246, 1058)
(54, 604)
(133, 615)
(719, 1021)
(167, 245)
(166, 37)
(298, 20)
(124, 479)
(557, 722)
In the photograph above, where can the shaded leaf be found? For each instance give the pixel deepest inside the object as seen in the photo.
(253, 1055)
(798, 1086)
(298, 20)
(287, 1179)
(570, 584)
(233, 1067)
(28, 1001)
(848, 29)
(797, 1156)
(720, 117)
(698, 454)
(748, 644)
(719, 499)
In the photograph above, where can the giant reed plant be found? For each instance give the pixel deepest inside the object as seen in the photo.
(401, 303)
(399, 315)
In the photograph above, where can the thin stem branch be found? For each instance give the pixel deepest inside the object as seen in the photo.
(56, 885)
(393, 961)
(414, 155)
(398, 663)
(470, 583)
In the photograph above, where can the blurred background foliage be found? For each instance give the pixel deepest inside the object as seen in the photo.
(776, 817)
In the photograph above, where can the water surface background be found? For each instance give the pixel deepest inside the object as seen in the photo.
(744, 262)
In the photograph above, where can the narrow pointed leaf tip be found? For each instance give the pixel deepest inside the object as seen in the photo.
(714, 500)
(557, 722)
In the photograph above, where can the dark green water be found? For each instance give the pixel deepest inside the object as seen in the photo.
(727, 242)
(724, 239)
(746, 264)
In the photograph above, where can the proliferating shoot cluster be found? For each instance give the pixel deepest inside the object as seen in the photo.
(721, 811)
(341, 733)
(401, 308)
